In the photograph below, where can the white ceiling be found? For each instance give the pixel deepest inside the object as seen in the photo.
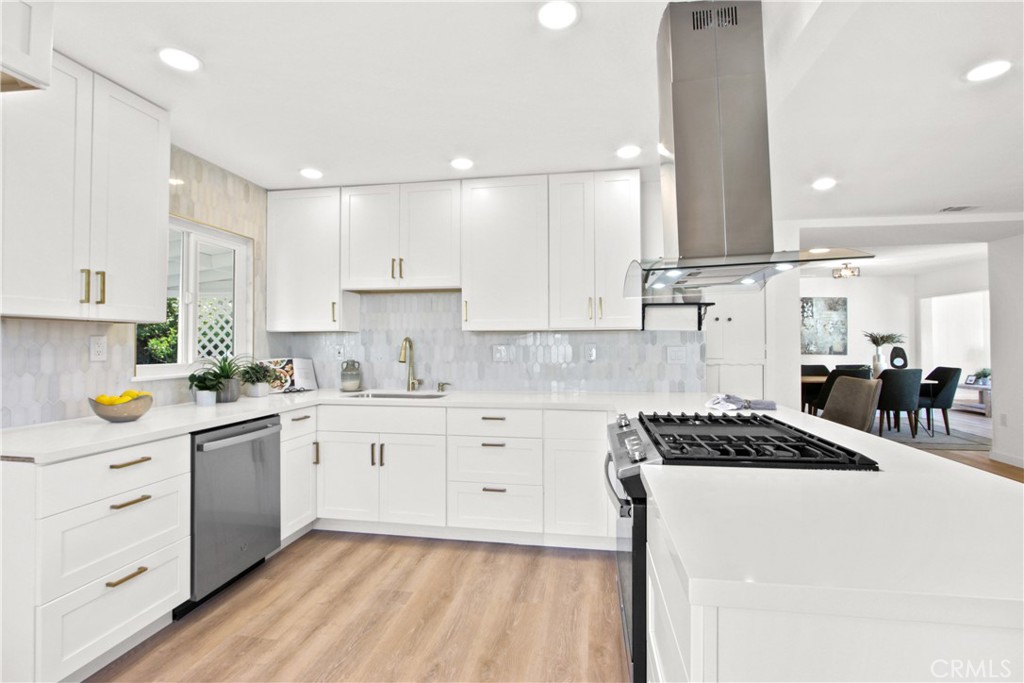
(891, 261)
(870, 92)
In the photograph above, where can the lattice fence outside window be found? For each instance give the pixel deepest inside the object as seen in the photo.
(216, 325)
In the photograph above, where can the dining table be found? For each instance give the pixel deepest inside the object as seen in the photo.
(820, 379)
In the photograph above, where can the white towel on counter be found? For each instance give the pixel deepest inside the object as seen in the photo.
(730, 402)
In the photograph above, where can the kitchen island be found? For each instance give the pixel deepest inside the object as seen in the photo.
(914, 572)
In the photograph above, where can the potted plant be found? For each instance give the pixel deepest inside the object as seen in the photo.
(227, 368)
(880, 339)
(984, 377)
(206, 383)
(256, 378)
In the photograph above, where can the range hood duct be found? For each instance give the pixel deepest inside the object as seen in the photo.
(715, 173)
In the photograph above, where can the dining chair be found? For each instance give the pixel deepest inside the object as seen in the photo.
(855, 366)
(826, 388)
(809, 392)
(901, 390)
(853, 402)
(939, 395)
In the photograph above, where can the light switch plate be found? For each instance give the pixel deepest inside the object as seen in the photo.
(97, 348)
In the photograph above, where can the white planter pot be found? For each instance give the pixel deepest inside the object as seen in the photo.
(877, 365)
(206, 399)
(256, 390)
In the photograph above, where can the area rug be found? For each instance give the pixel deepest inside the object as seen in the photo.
(957, 441)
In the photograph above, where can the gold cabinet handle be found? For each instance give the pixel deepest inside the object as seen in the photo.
(122, 506)
(115, 584)
(382, 455)
(600, 307)
(87, 294)
(491, 489)
(316, 452)
(498, 419)
(590, 308)
(334, 311)
(392, 269)
(465, 311)
(137, 461)
(102, 275)
(492, 445)
(373, 455)
(301, 418)
(401, 273)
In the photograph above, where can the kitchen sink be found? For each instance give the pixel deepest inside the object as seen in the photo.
(394, 394)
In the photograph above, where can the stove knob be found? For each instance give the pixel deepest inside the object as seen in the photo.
(622, 420)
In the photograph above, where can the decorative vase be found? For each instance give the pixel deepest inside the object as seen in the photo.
(256, 390)
(877, 364)
(230, 391)
(205, 399)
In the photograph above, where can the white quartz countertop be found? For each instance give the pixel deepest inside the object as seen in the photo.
(58, 441)
(924, 539)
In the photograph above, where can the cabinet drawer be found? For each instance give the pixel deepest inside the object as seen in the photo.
(485, 459)
(393, 420)
(75, 629)
(69, 484)
(495, 422)
(296, 423)
(81, 545)
(576, 424)
(662, 639)
(509, 507)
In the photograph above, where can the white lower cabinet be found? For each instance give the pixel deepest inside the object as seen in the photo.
(505, 507)
(299, 458)
(575, 501)
(745, 381)
(82, 625)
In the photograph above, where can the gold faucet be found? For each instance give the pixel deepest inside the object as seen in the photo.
(405, 356)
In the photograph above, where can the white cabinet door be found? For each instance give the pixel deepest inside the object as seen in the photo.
(505, 253)
(430, 235)
(571, 243)
(370, 237)
(27, 44)
(617, 244)
(46, 147)
(575, 500)
(131, 161)
(347, 477)
(303, 253)
(298, 483)
(412, 479)
(735, 328)
(745, 381)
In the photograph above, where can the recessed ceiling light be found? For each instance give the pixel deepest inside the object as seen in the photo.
(784, 266)
(658, 285)
(674, 273)
(825, 183)
(179, 59)
(628, 152)
(747, 281)
(176, 181)
(558, 14)
(820, 250)
(311, 173)
(988, 70)
(462, 164)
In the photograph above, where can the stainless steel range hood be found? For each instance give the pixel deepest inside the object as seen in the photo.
(715, 175)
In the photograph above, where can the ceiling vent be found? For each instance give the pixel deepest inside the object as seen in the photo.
(957, 209)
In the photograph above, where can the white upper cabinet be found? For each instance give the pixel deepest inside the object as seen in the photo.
(734, 329)
(303, 257)
(84, 201)
(401, 236)
(27, 44)
(505, 253)
(594, 234)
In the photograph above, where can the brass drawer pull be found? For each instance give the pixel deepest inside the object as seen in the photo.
(87, 295)
(382, 455)
(316, 452)
(115, 584)
(334, 311)
(140, 499)
(401, 273)
(137, 461)
(300, 419)
(497, 419)
(373, 455)
(600, 307)
(465, 311)
(493, 445)
(392, 269)
(590, 308)
(102, 275)
(488, 489)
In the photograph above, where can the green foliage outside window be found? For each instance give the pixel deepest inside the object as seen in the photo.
(157, 343)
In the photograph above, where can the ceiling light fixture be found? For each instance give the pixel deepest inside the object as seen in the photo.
(179, 59)
(628, 152)
(176, 181)
(658, 285)
(845, 272)
(462, 164)
(558, 14)
(784, 266)
(988, 71)
(674, 273)
(311, 173)
(823, 184)
(820, 250)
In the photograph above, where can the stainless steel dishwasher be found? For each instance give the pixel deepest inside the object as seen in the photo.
(236, 501)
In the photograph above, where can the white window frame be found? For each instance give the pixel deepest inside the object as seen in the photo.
(193, 235)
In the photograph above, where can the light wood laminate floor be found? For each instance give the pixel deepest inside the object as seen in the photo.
(350, 607)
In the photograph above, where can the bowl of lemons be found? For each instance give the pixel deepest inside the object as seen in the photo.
(128, 407)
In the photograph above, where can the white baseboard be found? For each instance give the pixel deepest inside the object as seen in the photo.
(123, 647)
(1015, 460)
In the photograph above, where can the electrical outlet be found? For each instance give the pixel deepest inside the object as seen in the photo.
(590, 352)
(339, 353)
(97, 348)
(500, 353)
(675, 355)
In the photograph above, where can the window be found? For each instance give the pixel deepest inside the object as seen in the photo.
(208, 303)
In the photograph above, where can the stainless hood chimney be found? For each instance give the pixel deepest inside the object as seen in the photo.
(715, 174)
